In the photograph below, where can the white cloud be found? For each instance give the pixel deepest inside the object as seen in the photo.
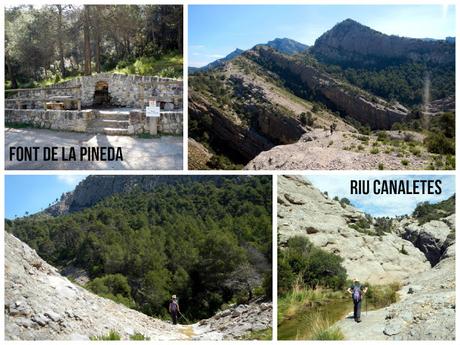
(382, 205)
(70, 180)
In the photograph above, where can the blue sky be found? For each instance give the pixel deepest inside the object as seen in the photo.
(31, 193)
(216, 30)
(381, 205)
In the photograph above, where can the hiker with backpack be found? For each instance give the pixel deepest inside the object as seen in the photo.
(357, 292)
(174, 309)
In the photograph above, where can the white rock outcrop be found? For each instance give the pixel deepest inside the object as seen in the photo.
(327, 224)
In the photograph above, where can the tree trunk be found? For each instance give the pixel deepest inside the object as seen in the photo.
(87, 45)
(60, 44)
(11, 77)
(179, 34)
(97, 27)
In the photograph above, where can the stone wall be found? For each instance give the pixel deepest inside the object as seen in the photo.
(170, 122)
(124, 91)
(131, 91)
(65, 120)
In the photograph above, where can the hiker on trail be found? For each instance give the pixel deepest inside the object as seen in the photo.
(174, 309)
(357, 292)
(332, 127)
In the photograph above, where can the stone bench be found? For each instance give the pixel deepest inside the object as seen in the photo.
(68, 102)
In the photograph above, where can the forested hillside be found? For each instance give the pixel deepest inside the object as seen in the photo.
(410, 71)
(207, 241)
(53, 42)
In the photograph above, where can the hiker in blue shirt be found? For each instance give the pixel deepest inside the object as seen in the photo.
(174, 309)
(357, 291)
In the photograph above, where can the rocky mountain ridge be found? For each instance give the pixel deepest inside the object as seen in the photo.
(350, 41)
(287, 46)
(95, 188)
(284, 45)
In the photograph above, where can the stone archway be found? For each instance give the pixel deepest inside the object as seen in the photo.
(101, 94)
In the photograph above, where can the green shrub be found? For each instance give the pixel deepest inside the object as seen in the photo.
(426, 212)
(307, 119)
(374, 151)
(315, 108)
(113, 335)
(382, 136)
(403, 250)
(381, 296)
(114, 287)
(439, 143)
(344, 202)
(301, 259)
(405, 162)
(138, 336)
(332, 333)
(381, 167)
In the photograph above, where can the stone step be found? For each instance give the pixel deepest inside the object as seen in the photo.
(112, 115)
(108, 130)
(107, 123)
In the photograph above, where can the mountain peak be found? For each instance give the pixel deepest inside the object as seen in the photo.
(349, 40)
(287, 46)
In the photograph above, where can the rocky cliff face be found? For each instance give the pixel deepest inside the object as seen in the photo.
(234, 136)
(432, 238)
(353, 43)
(368, 109)
(262, 126)
(97, 187)
(305, 211)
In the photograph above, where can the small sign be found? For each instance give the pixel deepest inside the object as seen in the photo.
(152, 111)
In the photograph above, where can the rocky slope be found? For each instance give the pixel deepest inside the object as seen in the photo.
(219, 62)
(40, 304)
(351, 101)
(319, 150)
(305, 211)
(235, 322)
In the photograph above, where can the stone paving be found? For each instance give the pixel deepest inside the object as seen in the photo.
(164, 153)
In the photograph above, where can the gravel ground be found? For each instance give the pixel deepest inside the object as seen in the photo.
(164, 153)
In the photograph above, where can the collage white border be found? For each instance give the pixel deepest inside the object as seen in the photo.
(274, 173)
